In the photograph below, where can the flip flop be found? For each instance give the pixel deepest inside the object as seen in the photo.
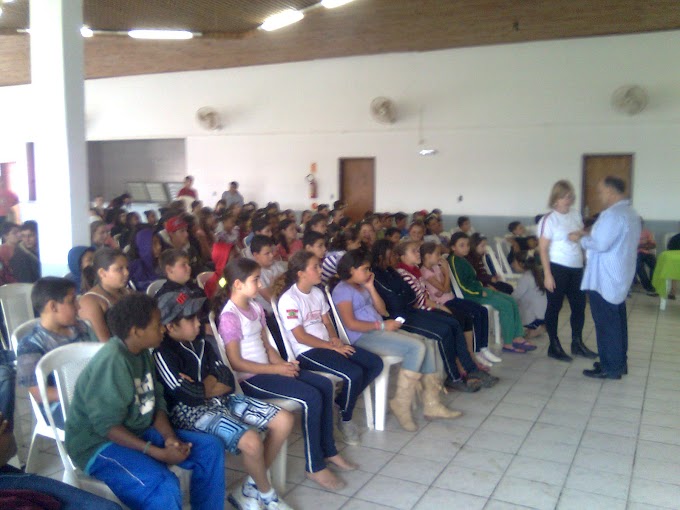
(514, 350)
(524, 346)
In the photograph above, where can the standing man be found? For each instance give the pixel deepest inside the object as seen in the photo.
(232, 196)
(187, 190)
(611, 252)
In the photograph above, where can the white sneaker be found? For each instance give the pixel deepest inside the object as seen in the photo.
(350, 432)
(242, 502)
(490, 356)
(482, 360)
(276, 504)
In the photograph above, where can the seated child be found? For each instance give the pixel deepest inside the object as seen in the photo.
(472, 288)
(117, 429)
(530, 294)
(288, 240)
(435, 273)
(393, 235)
(79, 257)
(199, 392)
(264, 374)
(519, 240)
(222, 253)
(477, 259)
(144, 254)
(315, 243)
(304, 312)
(230, 232)
(55, 299)
(175, 266)
(340, 243)
(107, 279)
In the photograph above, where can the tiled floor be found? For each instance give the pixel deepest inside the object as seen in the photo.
(545, 437)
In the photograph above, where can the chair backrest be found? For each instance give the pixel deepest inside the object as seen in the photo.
(286, 342)
(203, 277)
(454, 283)
(221, 350)
(154, 287)
(342, 332)
(15, 300)
(21, 331)
(500, 270)
(67, 362)
(503, 250)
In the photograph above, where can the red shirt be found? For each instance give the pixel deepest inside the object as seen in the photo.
(187, 192)
(7, 201)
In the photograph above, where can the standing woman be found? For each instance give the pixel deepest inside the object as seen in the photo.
(562, 262)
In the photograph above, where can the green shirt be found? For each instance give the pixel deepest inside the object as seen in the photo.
(466, 277)
(115, 388)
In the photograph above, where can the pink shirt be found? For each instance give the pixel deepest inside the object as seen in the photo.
(436, 295)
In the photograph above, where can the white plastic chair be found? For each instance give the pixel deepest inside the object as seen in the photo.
(154, 287)
(500, 270)
(67, 362)
(42, 428)
(203, 277)
(17, 308)
(368, 401)
(278, 468)
(503, 250)
(381, 382)
(494, 316)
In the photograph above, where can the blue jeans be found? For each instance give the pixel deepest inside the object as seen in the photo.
(314, 393)
(419, 356)
(357, 372)
(7, 378)
(144, 483)
(611, 328)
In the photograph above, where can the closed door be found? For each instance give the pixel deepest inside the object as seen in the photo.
(357, 186)
(596, 168)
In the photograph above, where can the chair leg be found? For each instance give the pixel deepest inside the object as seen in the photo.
(368, 407)
(277, 472)
(31, 450)
(381, 386)
(497, 328)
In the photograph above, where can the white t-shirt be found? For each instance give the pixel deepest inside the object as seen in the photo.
(557, 227)
(299, 309)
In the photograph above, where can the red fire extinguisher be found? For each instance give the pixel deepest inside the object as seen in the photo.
(313, 187)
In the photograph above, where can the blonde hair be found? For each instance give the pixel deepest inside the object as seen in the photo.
(560, 190)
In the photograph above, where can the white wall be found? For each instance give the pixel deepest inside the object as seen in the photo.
(508, 121)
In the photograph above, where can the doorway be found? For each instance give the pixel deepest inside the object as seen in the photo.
(357, 186)
(595, 168)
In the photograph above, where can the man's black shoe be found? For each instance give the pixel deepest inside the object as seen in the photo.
(598, 374)
(598, 366)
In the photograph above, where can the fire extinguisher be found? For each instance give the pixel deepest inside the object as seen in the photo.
(313, 187)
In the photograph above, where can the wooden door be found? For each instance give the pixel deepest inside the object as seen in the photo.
(596, 168)
(357, 186)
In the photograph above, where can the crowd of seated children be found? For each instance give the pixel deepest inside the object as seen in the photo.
(263, 373)
(107, 280)
(477, 259)
(366, 320)
(117, 428)
(289, 243)
(401, 301)
(199, 394)
(56, 301)
(304, 313)
(435, 275)
(466, 278)
(530, 293)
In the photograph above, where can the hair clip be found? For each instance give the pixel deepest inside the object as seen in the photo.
(222, 282)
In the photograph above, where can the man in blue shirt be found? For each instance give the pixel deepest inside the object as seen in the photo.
(611, 250)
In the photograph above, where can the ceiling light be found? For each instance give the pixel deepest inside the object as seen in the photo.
(281, 19)
(427, 152)
(86, 31)
(160, 34)
(332, 4)
(0, 11)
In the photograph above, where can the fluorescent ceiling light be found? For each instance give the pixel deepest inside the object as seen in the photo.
(160, 34)
(86, 31)
(332, 4)
(427, 152)
(281, 19)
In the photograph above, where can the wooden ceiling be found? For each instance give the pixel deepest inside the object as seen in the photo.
(364, 27)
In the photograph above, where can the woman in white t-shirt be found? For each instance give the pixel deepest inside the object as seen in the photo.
(562, 262)
(303, 310)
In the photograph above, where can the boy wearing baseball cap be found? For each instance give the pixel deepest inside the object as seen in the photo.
(199, 391)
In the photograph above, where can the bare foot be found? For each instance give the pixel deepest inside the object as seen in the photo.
(341, 463)
(327, 479)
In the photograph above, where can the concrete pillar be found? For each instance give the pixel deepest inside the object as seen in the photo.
(59, 130)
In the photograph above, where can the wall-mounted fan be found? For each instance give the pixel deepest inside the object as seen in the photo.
(209, 118)
(383, 110)
(630, 99)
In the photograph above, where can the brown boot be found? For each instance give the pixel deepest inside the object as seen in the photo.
(432, 406)
(400, 405)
